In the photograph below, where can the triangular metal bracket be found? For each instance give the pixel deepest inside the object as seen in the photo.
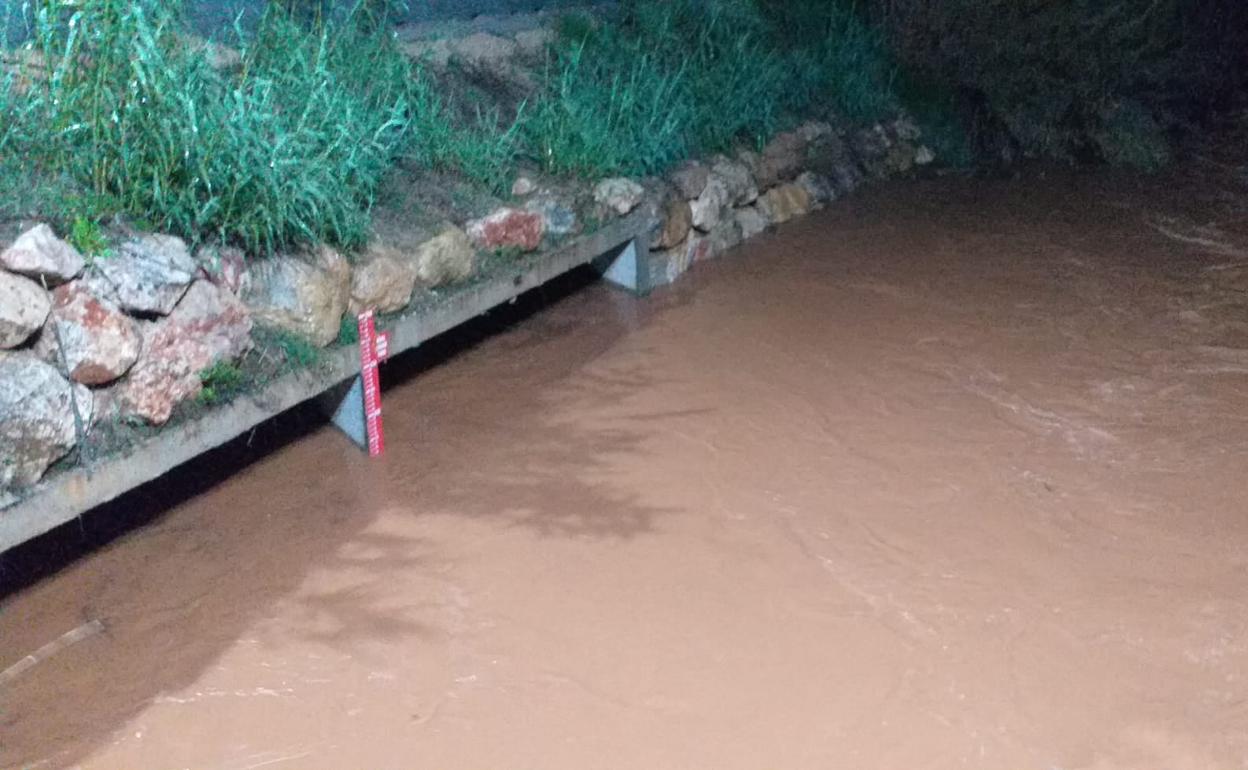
(347, 403)
(628, 267)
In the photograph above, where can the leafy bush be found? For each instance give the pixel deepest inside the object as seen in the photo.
(608, 110)
(289, 147)
(1076, 78)
(669, 79)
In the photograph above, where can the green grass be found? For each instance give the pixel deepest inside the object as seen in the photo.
(609, 111)
(88, 237)
(348, 331)
(484, 151)
(288, 149)
(221, 382)
(677, 78)
(299, 352)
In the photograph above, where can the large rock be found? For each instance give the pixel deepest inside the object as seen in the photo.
(780, 161)
(305, 294)
(825, 151)
(750, 221)
(666, 265)
(24, 306)
(709, 207)
(698, 248)
(382, 281)
(900, 158)
(726, 235)
(216, 318)
(97, 342)
(225, 266)
(495, 58)
(874, 146)
(558, 218)
(815, 131)
(209, 325)
(690, 179)
(676, 219)
(446, 258)
(39, 254)
(822, 190)
(737, 179)
(508, 228)
(619, 194)
(37, 422)
(847, 175)
(148, 274)
(906, 129)
(523, 186)
(780, 204)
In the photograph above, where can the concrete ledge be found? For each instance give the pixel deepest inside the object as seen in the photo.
(66, 495)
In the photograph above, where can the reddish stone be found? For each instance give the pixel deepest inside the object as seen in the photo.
(98, 341)
(698, 249)
(225, 266)
(508, 228)
(209, 325)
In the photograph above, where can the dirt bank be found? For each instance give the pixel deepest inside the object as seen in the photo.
(951, 475)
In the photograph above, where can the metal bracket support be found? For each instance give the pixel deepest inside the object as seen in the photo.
(345, 405)
(627, 267)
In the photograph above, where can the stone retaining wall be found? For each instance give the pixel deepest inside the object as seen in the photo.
(127, 335)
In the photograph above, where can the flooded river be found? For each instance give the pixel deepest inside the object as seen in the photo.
(951, 475)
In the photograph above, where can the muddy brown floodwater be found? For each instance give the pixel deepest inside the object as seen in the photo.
(950, 475)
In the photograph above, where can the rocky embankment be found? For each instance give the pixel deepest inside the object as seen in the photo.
(126, 335)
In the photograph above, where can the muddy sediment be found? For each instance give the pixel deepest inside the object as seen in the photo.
(949, 475)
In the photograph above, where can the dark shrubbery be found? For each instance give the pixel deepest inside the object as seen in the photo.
(1075, 79)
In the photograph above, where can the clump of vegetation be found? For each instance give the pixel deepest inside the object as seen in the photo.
(298, 352)
(348, 331)
(607, 114)
(88, 237)
(287, 147)
(681, 77)
(221, 382)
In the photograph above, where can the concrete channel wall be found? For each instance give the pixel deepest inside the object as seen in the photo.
(618, 250)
